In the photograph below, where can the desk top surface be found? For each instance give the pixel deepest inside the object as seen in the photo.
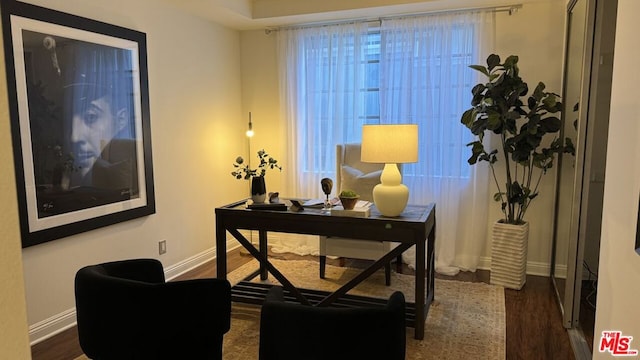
(412, 213)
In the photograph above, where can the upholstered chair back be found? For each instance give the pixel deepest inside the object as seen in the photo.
(353, 174)
(292, 331)
(126, 310)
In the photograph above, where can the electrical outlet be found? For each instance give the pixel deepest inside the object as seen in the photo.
(162, 247)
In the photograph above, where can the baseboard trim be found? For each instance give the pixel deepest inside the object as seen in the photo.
(52, 326)
(538, 268)
(173, 271)
(533, 267)
(184, 266)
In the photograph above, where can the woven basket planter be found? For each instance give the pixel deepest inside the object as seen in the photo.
(509, 255)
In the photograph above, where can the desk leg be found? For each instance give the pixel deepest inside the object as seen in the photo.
(420, 289)
(431, 267)
(262, 239)
(264, 262)
(221, 249)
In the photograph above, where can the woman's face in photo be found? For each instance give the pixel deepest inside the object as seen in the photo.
(92, 128)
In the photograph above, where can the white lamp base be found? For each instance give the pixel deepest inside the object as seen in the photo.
(390, 196)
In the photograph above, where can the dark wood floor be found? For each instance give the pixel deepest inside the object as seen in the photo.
(534, 325)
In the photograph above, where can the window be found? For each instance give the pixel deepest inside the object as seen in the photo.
(335, 78)
(353, 90)
(411, 70)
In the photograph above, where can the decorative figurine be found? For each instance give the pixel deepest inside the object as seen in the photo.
(327, 186)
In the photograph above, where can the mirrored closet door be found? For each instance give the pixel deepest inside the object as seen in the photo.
(580, 182)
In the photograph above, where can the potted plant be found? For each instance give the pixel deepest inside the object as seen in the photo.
(258, 186)
(521, 121)
(349, 199)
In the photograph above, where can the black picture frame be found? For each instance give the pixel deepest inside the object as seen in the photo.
(79, 107)
(638, 230)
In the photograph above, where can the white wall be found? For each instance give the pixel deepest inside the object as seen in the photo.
(534, 33)
(619, 271)
(260, 97)
(14, 342)
(197, 129)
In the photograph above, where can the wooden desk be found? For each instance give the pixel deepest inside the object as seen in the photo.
(415, 226)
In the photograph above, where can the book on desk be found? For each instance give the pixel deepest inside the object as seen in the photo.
(320, 203)
(362, 209)
(267, 206)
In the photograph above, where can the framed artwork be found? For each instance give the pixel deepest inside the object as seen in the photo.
(79, 107)
(638, 231)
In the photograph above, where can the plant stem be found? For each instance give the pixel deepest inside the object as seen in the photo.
(493, 171)
(534, 192)
(526, 181)
(509, 191)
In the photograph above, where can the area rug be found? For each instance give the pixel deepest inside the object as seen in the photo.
(466, 320)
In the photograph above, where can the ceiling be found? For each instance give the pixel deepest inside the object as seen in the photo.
(258, 14)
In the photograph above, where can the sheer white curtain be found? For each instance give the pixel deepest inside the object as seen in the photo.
(334, 79)
(321, 78)
(322, 75)
(425, 79)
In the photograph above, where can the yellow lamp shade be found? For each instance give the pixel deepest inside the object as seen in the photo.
(393, 143)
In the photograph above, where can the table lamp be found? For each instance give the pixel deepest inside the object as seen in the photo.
(390, 144)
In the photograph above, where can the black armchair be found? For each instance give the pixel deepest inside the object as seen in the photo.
(126, 310)
(294, 331)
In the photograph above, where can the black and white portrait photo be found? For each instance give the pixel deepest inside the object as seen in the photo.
(81, 116)
(80, 122)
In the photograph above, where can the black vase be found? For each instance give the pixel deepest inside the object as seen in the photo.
(258, 189)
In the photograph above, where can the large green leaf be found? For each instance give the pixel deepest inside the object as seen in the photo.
(477, 149)
(538, 93)
(569, 147)
(513, 115)
(551, 124)
(511, 61)
(478, 89)
(480, 68)
(492, 61)
(515, 194)
(550, 102)
(494, 121)
(479, 126)
(542, 161)
(468, 117)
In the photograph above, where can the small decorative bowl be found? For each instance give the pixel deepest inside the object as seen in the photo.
(348, 203)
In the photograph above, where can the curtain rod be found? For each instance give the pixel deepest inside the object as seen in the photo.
(511, 9)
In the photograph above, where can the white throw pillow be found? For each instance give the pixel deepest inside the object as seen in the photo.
(361, 183)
